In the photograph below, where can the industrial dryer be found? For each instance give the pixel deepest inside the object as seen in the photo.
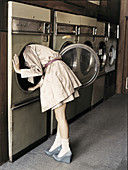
(27, 24)
(111, 47)
(101, 50)
(84, 63)
(65, 34)
(86, 35)
(65, 29)
(110, 68)
(87, 31)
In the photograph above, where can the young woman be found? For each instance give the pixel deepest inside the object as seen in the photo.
(58, 85)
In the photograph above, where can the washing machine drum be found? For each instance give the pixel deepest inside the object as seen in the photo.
(83, 61)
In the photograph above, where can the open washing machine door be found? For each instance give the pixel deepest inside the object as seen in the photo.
(83, 61)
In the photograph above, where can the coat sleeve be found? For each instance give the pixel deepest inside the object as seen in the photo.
(32, 72)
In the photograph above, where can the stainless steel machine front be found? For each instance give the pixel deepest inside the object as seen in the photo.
(65, 34)
(101, 45)
(65, 29)
(26, 124)
(110, 68)
(86, 35)
(101, 50)
(111, 47)
(87, 31)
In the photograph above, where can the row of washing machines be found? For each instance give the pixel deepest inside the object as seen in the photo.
(85, 44)
(102, 38)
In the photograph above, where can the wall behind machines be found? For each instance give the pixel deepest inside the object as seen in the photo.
(122, 62)
(106, 11)
(3, 83)
(3, 97)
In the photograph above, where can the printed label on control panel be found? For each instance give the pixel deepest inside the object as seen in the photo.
(100, 51)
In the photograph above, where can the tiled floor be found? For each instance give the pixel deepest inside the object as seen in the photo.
(98, 142)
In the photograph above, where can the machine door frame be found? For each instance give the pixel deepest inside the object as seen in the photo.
(90, 50)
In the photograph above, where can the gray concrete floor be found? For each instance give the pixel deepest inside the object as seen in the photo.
(98, 141)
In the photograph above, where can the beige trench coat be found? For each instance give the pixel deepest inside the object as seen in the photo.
(59, 83)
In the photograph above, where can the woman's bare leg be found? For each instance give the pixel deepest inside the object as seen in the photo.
(63, 128)
(62, 122)
(60, 116)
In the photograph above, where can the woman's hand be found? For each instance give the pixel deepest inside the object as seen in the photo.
(31, 88)
(35, 87)
(16, 64)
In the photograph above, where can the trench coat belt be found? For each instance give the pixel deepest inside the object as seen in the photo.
(46, 65)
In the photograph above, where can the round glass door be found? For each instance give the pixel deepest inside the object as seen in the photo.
(111, 55)
(83, 61)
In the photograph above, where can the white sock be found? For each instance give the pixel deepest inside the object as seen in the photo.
(57, 142)
(65, 147)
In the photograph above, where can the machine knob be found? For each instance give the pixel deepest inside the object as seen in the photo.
(41, 29)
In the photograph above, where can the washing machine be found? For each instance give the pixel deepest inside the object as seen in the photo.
(110, 68)
(65, 34)
(86, 35)
(84, 62)
(65, 30)
(101, 50)
(111, 47)
(27, 24)
(87, 31)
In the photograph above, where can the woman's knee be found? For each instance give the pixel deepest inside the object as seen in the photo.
(60, 113)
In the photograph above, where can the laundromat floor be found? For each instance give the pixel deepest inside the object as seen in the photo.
(98, 141)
